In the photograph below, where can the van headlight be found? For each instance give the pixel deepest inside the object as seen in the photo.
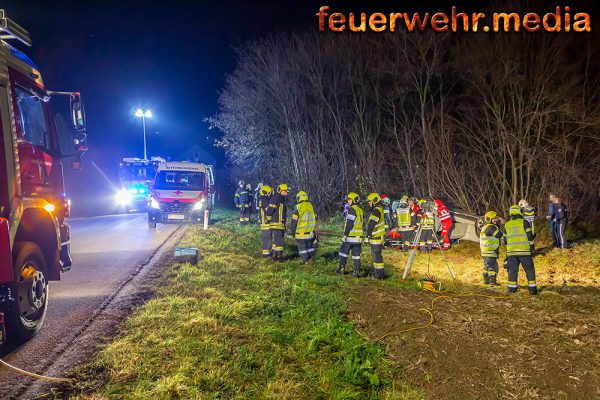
(154, 204)
(199, 204)
(122, 197)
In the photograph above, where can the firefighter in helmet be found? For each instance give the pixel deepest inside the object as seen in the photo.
(519, 250)
(386, 205)
(303, 226)
(242, 201)
(265, 192)
(376, 234)
(427, 225)
(406, 222)
(353, 236)
(277, 214)
(489, 244)
(528, 212)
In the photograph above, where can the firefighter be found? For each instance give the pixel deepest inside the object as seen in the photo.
(387, 215)
(242, 201)
(303, 226)
(445, 220)
(519, 250)
(489, 244)
(426, 221)
(528, 213)
(277, 214)
(265, 193)
(250, 202)
(406, 223)
(376, 234)
(353, 236)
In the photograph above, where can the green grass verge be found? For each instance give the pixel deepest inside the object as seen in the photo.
(237, 326)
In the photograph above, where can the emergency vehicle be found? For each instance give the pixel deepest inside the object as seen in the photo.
(136, 176)
(181, 193)
(34, 235)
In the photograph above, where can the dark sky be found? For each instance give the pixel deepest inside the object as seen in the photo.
(171, 56)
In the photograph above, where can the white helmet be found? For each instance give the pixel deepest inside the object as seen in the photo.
(523, 203)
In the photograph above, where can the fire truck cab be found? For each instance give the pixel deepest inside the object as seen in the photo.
(181, 193)
(34, 235)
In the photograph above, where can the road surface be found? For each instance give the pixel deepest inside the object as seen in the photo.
(106, 251)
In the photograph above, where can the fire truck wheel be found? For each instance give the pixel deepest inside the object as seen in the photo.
(31, 292)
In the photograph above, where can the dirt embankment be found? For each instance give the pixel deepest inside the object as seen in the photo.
(547, 347)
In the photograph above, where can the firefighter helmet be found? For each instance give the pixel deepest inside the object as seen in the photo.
(490, 215)
(241, 183)
(385, 199)
(515, 210)
(374, 198)
(523, 203)
(354, 197)
(248, 187)
(266, 190)
(421, 202)
(283, 187)
(302, 196)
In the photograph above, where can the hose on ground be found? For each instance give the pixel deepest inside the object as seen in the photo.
(31, 374)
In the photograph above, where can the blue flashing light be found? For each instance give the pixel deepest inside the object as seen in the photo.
(23, 57)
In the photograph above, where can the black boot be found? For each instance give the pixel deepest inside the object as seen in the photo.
(486, 279)
(493, 280)
(340, 269)
(355, 273)
(533, 290)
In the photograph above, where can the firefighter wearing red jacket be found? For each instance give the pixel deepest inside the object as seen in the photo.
(445, 220)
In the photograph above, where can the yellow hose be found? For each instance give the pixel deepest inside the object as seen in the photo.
(31, 374)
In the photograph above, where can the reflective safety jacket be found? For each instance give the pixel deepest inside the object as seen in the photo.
(443, 213)
(519, 237)
(376, 226)
(304, 221)
(426, 219)
(489, 240)
(353, 229)
(529, 216)
(277, 212)
(404, 217)
(263, 206)
(242, 198)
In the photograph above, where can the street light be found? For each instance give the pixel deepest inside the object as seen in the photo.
(143, 114)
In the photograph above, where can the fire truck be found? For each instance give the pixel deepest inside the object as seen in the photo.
(181, 193)
(136, 176)
(34, 141)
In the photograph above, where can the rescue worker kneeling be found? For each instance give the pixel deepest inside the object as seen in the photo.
(376, 234)
(303, 226)
(489, 243)
(519, 250)
(265, 192)
(277, 214)
(353, 236)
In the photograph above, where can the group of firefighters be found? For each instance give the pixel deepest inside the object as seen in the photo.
(409, 222)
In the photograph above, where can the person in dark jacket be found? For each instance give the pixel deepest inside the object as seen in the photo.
(489, 242)
(243, 203)
(560, 222)
(277, 216)
(550, 218)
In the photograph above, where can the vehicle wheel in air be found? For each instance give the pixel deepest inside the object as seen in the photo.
(151, 224)
(30, 303)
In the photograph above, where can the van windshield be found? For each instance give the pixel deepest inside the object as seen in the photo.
(179, 180)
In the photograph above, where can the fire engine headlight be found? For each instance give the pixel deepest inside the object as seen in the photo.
(199, 205)
(122, 197)
(154, 204)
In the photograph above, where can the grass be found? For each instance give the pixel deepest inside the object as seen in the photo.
(237, 326)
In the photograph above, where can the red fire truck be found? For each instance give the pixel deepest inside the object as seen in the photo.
(34, 235)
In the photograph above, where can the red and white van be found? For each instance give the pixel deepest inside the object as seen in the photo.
(181, 193)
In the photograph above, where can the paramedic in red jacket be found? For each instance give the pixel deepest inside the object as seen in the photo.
(445, 220)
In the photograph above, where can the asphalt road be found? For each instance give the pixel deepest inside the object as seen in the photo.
(106, 251)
